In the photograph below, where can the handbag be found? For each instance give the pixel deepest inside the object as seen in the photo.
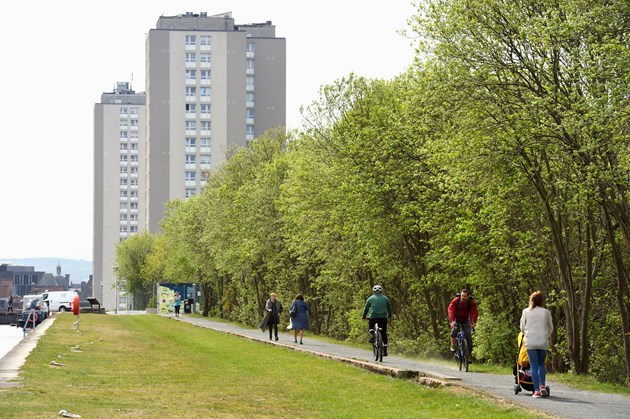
(293, 310)
(290, 326)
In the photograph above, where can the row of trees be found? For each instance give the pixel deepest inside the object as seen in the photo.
(499, 161)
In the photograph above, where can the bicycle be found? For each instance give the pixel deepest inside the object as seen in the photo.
(461, 349)
(378, 346)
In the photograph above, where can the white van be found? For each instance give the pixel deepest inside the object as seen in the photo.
(59, 300)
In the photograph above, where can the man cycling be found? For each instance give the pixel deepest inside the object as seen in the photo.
(377, 310)
(462, 312)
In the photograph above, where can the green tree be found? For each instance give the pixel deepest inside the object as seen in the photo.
(131, 260)
(545, 82)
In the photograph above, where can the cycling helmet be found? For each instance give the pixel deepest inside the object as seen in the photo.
(377, 288)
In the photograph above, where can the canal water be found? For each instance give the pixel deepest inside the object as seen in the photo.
(9, 337)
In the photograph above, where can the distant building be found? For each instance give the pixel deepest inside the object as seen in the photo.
(50, 282)
(18, 280)
(211, 85)
(85, 289)
(119, 180)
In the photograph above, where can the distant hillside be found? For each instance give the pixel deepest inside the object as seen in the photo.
(79, 270)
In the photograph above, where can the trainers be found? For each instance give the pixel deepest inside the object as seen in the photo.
(371, 336)
(452, 349)
(385, 351)
(543, 391)
(536, 394)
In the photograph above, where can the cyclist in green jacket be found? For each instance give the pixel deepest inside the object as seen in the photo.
(377, 310)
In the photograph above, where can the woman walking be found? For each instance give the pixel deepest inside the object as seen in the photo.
(537, 325)
(177, 303)
(300, 318)
(273, 308)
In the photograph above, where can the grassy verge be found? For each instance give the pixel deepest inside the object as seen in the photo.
(148, 366)
(576, 381)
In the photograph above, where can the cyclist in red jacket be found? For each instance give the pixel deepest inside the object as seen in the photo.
(462, 312)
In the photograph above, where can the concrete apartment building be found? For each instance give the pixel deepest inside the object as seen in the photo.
(211, 85)
(119, 181)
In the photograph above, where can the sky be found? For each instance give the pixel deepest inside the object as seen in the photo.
(59, 57)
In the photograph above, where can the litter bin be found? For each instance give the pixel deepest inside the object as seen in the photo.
(188, 305)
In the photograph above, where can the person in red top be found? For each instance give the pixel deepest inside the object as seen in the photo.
(462, 312)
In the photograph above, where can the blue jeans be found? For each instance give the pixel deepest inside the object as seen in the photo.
(466, 325)
(537, 365)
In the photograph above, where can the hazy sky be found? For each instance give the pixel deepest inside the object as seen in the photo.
(59, 57)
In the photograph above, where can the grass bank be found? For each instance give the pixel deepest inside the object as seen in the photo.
(149, 367)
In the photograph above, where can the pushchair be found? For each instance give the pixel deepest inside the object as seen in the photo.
(522, 374)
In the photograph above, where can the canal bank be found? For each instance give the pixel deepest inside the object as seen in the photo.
(14, 358)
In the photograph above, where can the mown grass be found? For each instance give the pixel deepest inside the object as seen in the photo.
(152, 367)
(580, 382)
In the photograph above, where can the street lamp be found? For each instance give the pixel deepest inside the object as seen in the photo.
(116, 288)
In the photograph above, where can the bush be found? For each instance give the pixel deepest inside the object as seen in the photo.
(495, 340)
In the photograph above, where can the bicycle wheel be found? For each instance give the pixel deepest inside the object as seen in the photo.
(375, 345)
(379, 347)
(458, 354)
(465, 354)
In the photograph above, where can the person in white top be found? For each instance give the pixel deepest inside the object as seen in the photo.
(536, 325)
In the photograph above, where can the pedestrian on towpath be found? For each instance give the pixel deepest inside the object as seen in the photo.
(300, 311)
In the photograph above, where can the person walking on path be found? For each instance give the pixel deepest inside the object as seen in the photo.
(273, 308)
(377, 310)
(537, 325)
(10, 308)
(300, 311)
(462, 312)
(177, 303)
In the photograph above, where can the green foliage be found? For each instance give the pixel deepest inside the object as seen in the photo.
(131, 267)
(495, 340)
(498, 162)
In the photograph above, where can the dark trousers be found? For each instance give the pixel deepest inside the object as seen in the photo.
(273, 326)
(382, 324)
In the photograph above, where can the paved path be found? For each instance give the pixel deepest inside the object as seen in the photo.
(565, 402)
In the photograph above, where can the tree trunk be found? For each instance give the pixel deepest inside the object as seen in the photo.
(205, 291)
(555, 223)
(622, 291)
